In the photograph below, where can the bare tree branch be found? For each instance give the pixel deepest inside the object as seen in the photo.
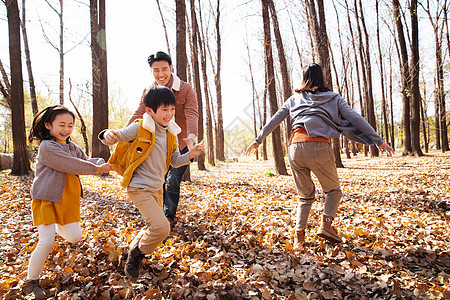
(5, 76)
(164, 26)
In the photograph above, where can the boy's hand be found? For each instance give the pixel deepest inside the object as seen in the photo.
(111, 136)
(197, 150)
(105, 168)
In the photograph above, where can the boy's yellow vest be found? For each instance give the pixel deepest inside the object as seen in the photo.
(127, 156)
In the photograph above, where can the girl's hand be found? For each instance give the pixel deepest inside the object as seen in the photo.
(385, 147)
(105, 168)
(197, 150)
(251, 149)
(111, 136)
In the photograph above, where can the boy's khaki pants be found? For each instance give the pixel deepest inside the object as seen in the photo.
(157, 227)
(316, 157)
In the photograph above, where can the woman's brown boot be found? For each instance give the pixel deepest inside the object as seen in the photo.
(299, 238)
(327, 231)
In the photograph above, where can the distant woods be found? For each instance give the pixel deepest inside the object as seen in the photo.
(388, 59)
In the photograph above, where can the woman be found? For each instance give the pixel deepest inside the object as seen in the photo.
(317, 115)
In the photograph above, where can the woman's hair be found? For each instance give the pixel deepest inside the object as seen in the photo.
(38, 130)
(313, 80)
(157, 96)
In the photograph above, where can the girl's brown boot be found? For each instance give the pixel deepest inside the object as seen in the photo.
(327, 231)
(32, 286)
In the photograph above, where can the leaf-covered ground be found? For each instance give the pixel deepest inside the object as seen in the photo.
(233, 237)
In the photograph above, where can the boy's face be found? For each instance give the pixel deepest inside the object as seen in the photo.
(163, 114)
(161, 71)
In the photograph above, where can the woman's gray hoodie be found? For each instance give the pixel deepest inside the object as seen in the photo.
(323, 114)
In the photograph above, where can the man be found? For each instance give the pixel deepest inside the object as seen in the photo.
(186, 116)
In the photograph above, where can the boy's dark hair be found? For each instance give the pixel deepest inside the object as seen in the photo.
(313, 80)
(158, 57)
(38, 130)
(157, 96)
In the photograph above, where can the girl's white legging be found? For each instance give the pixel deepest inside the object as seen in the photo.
(70, 232)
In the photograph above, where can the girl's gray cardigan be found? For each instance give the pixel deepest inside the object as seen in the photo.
(53, 162)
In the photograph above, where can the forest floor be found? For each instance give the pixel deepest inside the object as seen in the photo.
(234, 232)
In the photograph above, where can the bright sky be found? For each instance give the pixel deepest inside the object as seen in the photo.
(133, 33)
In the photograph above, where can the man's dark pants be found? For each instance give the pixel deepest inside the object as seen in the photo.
(172, 188)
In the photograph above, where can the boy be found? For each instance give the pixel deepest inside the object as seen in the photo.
(186, 116)
(145, 151)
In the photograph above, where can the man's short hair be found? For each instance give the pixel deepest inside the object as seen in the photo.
(157, 96)
(158, 57)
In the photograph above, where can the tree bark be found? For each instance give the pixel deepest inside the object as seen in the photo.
(6, 87)
(404, 70)
(264, 121)
(319, 32)
(21, 164)
(440, 114)
(180, 12)
(391, 104)
(254, 96)
(61, 53)
(197, 85)
(99, 77)
(358, 79)
(383, 93)
(220, 139)
(370, 101)
(287, 89)
(415, 91)
(277, 147)
(181, 39)
(209, 118)
(164, 27)
(423, 118)
(83, 128)
(34, 105)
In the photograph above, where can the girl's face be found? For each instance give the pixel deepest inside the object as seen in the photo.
(61, 127)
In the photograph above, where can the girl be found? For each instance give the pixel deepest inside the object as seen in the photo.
(317, 114)
(56, 188)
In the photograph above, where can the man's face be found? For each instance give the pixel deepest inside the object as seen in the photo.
(161, 71)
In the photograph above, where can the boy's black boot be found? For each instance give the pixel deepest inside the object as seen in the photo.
(133, 264)
(32, 286)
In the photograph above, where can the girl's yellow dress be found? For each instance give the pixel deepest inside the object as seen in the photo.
(65, 212)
